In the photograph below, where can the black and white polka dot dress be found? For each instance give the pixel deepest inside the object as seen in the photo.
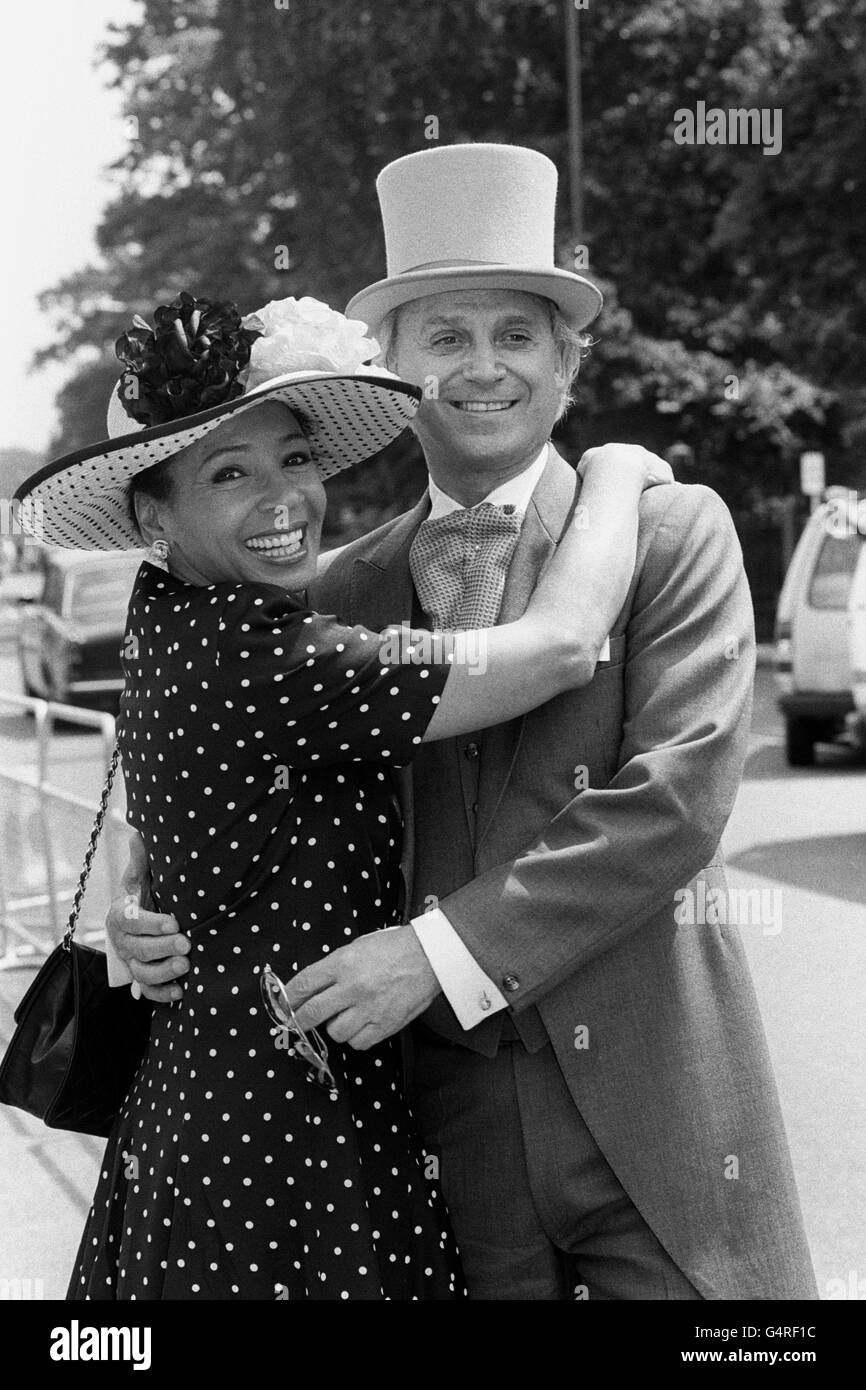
(257, 739)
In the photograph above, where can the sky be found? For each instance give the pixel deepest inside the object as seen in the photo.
(60, 128)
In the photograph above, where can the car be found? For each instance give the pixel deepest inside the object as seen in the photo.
(857, 648)
(69, 640)
(16, 590)
(813, 666)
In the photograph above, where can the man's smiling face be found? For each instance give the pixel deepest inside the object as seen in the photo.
(498, 379)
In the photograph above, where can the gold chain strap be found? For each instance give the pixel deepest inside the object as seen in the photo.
(91, 849)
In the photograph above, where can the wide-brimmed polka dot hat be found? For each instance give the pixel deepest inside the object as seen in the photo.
(349, 411)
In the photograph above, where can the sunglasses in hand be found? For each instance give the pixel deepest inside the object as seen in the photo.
(309, 1046)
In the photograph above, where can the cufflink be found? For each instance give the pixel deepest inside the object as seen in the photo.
(485, 1002)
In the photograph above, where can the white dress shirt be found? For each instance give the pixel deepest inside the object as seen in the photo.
(470, 992)
(516, 491)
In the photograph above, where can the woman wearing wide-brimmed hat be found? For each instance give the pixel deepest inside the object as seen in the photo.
(250, 1160)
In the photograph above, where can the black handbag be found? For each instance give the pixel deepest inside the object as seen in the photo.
(77, 1042)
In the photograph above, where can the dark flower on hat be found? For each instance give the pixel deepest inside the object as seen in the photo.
(188, 361)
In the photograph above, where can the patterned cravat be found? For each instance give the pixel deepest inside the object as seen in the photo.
(459, 563)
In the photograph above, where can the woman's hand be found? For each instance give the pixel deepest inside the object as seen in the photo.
(582, 591)
(628, 457)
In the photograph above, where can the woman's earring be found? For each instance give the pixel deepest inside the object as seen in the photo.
(158, 554)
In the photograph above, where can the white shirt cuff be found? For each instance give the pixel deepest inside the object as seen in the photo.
(119, 972)
(472, 995)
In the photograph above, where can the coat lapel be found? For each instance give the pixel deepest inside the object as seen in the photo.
(546, 516)
(381, 590)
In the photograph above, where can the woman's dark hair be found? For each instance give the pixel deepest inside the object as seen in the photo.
(153, 482)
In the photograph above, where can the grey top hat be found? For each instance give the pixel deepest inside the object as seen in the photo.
(471, 217)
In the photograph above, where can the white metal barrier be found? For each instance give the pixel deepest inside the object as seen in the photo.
(59, 879)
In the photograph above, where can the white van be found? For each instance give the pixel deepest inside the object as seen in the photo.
(813, 666)
(857, 649)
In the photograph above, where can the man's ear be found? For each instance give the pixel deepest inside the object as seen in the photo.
(559, 371)
(148, 515)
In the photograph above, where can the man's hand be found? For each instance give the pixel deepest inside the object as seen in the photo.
(368, 990)
(150, 943)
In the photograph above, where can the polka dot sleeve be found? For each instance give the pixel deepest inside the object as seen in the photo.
(317, 691)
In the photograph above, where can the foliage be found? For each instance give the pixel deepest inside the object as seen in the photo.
(260, 128)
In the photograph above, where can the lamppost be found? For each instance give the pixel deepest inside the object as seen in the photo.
(575, 128)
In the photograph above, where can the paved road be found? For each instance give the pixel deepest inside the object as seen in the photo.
(799, 838)
(46, 1177)
(801, 835)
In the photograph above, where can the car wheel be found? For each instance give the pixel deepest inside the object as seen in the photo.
(800, 741)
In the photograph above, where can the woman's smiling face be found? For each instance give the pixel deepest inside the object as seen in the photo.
(246, 503)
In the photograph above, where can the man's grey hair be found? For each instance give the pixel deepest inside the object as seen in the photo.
(573, 347)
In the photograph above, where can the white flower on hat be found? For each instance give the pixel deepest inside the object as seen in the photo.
(305, 335)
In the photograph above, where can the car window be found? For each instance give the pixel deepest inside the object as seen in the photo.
(101, 595)
(834, 570)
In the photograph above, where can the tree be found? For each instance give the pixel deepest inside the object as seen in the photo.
(258, 132)
(807, 283)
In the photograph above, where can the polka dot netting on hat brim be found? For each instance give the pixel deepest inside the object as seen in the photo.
(81, 501)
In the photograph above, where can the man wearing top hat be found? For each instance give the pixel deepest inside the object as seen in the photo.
(588, 1066)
